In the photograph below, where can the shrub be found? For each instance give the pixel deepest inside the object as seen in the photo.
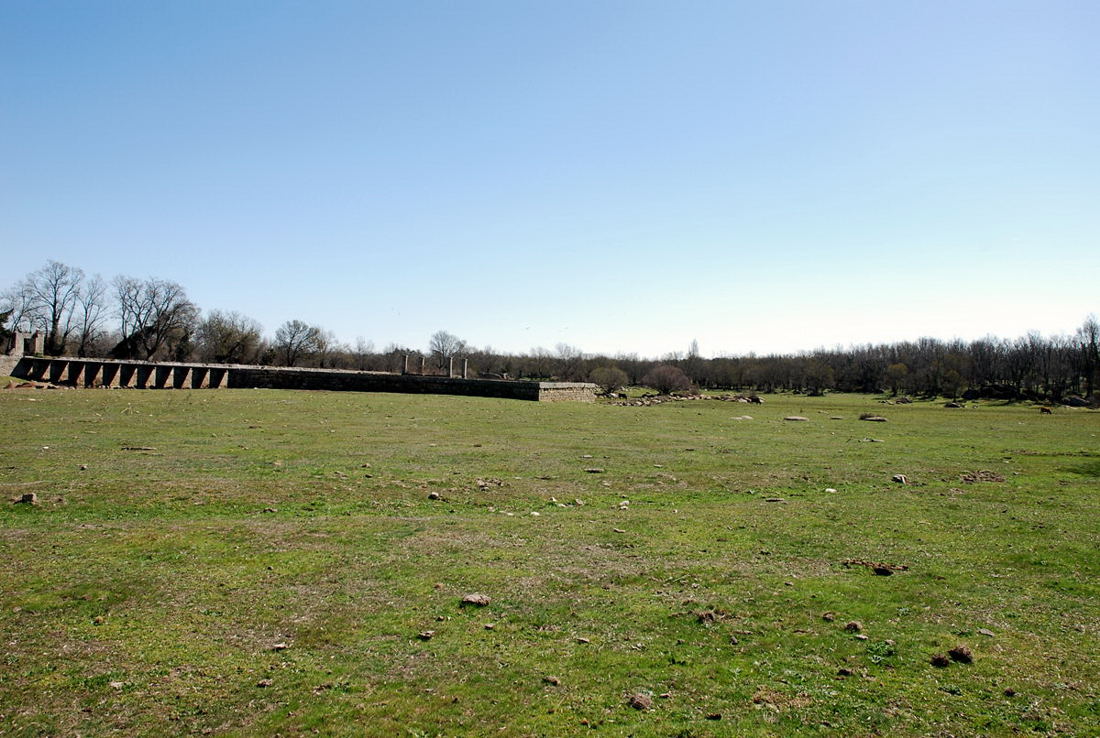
(609, 378)
(667, 379)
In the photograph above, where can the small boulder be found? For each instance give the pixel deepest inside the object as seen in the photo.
(28, 498)
(961, 654)
(796, 418)
(475, 599)
(853, 626)
(640, 701)
(939, 661)
(900, 479)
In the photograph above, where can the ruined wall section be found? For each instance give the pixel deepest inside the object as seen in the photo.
(149, 375)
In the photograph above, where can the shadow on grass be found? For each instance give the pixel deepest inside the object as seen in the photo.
(1088, 469)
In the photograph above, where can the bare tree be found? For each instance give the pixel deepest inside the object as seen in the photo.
(91, 313)
(1088, 343)
(296, 340)
(363, 349)
(45, 300)
(444, 346)
(229, 338)
(156, 318)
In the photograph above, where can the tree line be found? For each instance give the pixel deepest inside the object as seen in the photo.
(154, 319)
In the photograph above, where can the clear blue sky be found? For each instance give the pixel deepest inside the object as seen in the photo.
(619, 176)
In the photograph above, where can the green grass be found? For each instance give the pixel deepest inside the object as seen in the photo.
(144, 594)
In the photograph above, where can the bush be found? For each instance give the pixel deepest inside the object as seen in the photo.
(667, 379)
(609, 378)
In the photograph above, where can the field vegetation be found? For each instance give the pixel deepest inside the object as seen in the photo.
(248, 562)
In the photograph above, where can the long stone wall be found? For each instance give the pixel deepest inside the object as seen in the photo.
(148, 375)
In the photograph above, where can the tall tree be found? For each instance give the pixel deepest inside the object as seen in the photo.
(44, 300)
(156, 318)
(296, 340)
(229, 338)
(444, 346)
(90, 314)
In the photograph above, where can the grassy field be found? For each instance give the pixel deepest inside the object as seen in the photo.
(239, 562)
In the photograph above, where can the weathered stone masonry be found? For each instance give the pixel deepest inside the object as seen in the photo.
(148, 375)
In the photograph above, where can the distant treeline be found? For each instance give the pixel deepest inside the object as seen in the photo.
(153, 319)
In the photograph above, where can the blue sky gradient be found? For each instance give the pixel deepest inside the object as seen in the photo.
(619, 176)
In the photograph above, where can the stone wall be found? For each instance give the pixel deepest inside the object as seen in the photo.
(149, 375)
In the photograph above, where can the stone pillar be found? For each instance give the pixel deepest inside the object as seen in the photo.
(421, 364)
(181, 377)
(406, 369)
(164, 375)
(110, 376)
(18, 341)
(38, 344)
(127, 375)
(75, 375)
(200, 378)
(91, 372)
(146, 376)
(450, 367)
(57, 370)
(219, 378)
(465, 368)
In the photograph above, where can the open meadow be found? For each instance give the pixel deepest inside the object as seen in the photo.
(249, 562)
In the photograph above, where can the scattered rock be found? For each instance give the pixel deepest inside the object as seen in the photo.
(714, 716)
(553, 681)
(490, 626)
(640, 701)
(844, 672)
(264, 683)
(434, 496)
(83, 467)
(583, 640)
(1010, 692)
(796, 418)
(860, 637)
(774, 499)
(137, 448)
(871, 418)
(594, 470)
(853, 626)
(904, 401)
(476, 599)
(490, 482)
(27, 498)
(961, 654)
(981, 476)
(280, 647)
(952, 404)
(99, 620)
(986, 632)
(828, 617)
(939, 661)
(618, 530)
(271, 509)
(878, 567)
(425, 635)
(900, 479)
(830, 489)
